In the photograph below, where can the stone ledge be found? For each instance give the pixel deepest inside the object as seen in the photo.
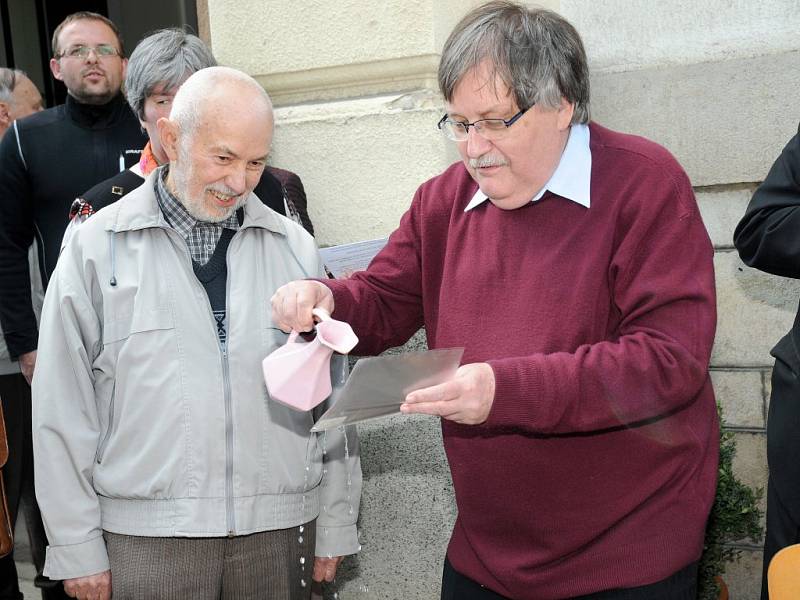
(351, 81)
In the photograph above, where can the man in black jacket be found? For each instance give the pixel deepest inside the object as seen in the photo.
(46, 160)
(768, 238)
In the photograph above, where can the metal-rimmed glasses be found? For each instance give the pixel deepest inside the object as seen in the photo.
(490, 129)
(80, 51)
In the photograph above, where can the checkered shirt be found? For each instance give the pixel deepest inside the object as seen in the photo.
(201, 237)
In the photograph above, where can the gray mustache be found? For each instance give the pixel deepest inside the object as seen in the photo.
(487, 161)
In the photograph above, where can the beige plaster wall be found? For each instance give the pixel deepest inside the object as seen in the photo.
(323, 50)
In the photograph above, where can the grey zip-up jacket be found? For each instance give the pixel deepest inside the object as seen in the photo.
(144, 426)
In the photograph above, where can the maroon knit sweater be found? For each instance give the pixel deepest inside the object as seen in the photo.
(596, 468)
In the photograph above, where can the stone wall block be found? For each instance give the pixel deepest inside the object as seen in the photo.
(720, 119)
(407, 511)
(721, 210)
(750, 462)
(754, 310)
(744, 576)
(767, 379)
(361, 161)
(629, 34)
(741, 395)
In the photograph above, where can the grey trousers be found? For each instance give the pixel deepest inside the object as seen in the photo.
(264, 566)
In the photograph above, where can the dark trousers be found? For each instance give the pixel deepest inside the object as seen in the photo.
(681, 585)
(15, 394)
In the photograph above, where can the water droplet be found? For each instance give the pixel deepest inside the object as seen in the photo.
(350, 512)
(300, 539)
(329, 556)
(308, 468)
(335, 595)
(301, 529)
(302, 560)
(363, 588)
(359, 547)
(303, 582)
(325, 531)
(324, 508)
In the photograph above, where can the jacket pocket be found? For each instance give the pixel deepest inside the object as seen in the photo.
(120, 328)
(101, 448)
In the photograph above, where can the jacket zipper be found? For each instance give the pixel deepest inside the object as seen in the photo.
(226, 378)
(230, 521)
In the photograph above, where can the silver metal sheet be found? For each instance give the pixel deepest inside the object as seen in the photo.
(378, 385)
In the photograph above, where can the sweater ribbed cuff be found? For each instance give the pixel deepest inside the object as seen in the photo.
(519, 394)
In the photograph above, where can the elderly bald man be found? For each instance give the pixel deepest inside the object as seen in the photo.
(185, 479)
(18, 97)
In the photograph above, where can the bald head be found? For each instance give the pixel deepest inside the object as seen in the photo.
(217, 139)
(214, 91)
(18, 97)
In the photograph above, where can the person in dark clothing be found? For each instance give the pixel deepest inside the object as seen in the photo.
(18, 99)
(157, 67)
(768, 239)
(46, 160)
(49, 158)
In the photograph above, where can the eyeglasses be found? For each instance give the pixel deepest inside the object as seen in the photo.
(490, 129)
(101, 51)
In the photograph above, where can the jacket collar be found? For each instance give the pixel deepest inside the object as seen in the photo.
(97, 116)
(139, 210)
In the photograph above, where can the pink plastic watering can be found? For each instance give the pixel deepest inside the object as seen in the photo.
(298, 374)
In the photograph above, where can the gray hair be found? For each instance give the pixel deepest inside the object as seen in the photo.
(535, 52)
(8, 82)
(165, 57)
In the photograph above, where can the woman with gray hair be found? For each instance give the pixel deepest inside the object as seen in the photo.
(157, 68)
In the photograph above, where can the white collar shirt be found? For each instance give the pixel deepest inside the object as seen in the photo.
(572, 177)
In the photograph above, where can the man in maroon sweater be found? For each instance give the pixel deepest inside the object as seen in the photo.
(571, 263)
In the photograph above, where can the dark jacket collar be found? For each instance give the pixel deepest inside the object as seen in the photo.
(97, 116)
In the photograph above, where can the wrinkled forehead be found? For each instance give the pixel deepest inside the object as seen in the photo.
(236, 132)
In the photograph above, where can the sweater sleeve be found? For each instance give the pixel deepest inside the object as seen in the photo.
(767, 237)
(655, 360)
